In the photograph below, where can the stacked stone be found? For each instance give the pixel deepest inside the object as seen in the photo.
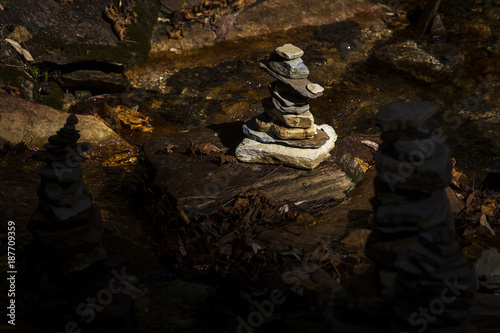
(434, 288)
(413, 243)
(287, 120)
(67, 222)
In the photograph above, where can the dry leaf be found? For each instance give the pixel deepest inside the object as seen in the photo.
(364, 166)
(455, 175)
(20, 50)
(2, 7)
(489, 207)
(484, 222)
(168, 149)
(228, 159)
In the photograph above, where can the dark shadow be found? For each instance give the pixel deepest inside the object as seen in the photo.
(358, 219)
(492, 182)
(230, 134)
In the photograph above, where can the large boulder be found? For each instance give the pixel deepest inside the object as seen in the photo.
(65, 32)
(189, 166)
(33, 123)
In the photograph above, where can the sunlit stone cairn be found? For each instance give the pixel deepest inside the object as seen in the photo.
(67, 223)
(413, 241)
(285, 133)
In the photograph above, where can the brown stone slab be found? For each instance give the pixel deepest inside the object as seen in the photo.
(203, 186)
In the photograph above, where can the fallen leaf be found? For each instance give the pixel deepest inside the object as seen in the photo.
(228, 159)
(364, 166)
(168, 149)
(19, 49)
(2, 7)
(484, 222)
(455, 175)
(489, 207)
(469, 200)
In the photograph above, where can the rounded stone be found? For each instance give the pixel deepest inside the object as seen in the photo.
(315, 88)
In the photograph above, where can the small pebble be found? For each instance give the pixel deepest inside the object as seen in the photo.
(315, 88)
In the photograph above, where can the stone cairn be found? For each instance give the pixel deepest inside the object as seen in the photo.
(67, 224)
(285, 133)
(413, 245)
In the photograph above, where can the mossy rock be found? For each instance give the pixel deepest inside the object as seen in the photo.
(17, 78)
(54, 97)
(82, 35)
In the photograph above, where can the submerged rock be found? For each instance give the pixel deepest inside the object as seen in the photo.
(410, 58)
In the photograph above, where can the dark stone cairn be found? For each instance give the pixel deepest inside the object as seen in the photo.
(423, 281)
(67, 225)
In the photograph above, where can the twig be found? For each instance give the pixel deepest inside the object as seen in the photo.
(336, 270)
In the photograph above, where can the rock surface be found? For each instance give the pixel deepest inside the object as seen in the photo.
(303, 120)
(208, 185)
(95, 81)
(410, 58)
(65, 32)
(33, 123)
(266, 17)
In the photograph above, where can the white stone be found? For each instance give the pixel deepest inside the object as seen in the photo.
(315, 88)
(251, 151)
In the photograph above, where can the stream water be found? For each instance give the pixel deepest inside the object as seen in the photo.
(224, 83)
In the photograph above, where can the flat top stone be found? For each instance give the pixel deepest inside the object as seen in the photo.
(299, 85)
(404, 115)
(289, 51)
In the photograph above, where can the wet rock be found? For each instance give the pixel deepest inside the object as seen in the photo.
(410, 58)
(259, 133)
(94, 80)
(264, 18)
(251, 151)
